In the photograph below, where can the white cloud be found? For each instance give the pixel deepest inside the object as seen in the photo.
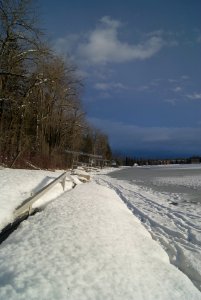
(199, 39)
(156, 81)
(177, 89)
(185, 77)
(102, 86)
(66, 45)
(195, 96)
(109, 86)
(104, 46)
(143, 88)
(171, 101)
(155, 33)
(173, 80)
(179, 84)
(106, 20)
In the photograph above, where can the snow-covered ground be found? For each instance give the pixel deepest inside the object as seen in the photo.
(86, 244)
(176, 227)
(16, 185)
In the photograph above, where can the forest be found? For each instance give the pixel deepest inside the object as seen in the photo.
(42, 121)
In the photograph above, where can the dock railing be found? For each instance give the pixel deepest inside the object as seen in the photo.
(25, 208)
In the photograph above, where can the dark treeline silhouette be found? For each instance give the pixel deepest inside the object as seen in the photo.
(40, 107)
(122, 160)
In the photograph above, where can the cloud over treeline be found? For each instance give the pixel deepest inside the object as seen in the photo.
(132, 137)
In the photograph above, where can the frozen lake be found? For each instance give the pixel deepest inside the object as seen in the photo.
(167, 200)
(183, 182)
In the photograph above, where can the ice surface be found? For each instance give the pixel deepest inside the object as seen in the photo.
(175, 224)
(88, 245)
(186, 181)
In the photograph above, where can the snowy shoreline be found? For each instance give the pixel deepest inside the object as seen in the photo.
(176, 228)
(86, 244)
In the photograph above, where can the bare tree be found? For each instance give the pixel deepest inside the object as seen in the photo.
(40, 108)
(56, 109)
(95, 142)
(20, 48)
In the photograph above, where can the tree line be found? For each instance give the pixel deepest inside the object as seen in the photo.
(41, 112)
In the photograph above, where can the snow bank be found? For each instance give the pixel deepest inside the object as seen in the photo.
(88, 245)
(16, 185)
(82, 174)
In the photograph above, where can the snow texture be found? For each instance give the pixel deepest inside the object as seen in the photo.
(186, 181)
(87, 245)
(16, 185)
(176, 227)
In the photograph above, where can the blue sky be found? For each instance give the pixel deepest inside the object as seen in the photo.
(140, 61)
